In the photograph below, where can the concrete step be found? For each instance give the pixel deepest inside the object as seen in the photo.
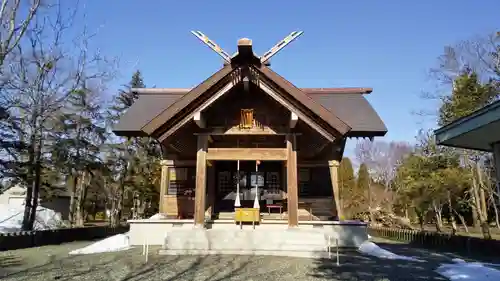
(299, 254)
(246, 240)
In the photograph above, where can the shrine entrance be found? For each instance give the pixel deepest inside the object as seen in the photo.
(265, 179)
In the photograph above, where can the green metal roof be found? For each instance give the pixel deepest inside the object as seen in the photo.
(477, 131)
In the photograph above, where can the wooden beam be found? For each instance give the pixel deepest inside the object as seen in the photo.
(236, 130)
(179, 163)
(201, 181)
(292, 185)
(312, 164)
(334, 178)
(198, 119)
(293, 120)
(279, 154)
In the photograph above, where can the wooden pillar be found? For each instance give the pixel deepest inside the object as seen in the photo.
(334, 177)
(291, 179)
(210, 191)
(163, 185)
(201, 180)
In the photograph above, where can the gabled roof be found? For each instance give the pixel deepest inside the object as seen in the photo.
(349, 105)
(160, 115)
(229, 74)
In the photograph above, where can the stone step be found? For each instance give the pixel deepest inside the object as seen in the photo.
(246, 240)
(299, 254)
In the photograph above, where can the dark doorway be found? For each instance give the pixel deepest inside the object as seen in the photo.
(268, 178)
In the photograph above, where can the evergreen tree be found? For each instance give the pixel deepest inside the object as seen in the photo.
(78, 138)
(363, 186)
(363, 182)
(133, 162)
(468, 95)
(347, 186)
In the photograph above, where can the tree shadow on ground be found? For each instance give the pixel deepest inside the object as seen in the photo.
(357, 266)
(131, 266)
(9, 263)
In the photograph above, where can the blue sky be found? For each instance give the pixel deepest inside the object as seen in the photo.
(388, 45)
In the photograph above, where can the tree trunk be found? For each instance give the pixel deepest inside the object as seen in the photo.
(37, 183)
(438, 216)
(485, 228)
(74, 184)
(30, 181)
(452, 215)
(80, 200)
(421, 219)
(116, 208)
(482, 197)
(475, 220)
(462, 220)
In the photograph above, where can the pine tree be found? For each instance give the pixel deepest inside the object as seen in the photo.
(78, 138)
(468, 95)
(132, 162)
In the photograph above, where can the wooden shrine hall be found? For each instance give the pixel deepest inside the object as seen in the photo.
(248, 138)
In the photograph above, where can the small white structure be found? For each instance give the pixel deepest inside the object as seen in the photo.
(15, 196)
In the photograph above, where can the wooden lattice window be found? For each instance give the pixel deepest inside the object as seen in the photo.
(225, 184)
(246, 120)
(304, 181)
(273, 180)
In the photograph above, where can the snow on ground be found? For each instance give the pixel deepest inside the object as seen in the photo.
(459, 270)
(11, 218)
(115, 243)
(372, 249)
(469, 271)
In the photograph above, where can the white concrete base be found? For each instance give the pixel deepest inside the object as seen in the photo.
(224, 235)
(298, 254)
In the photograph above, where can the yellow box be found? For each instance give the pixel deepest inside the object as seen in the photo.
(247, 215)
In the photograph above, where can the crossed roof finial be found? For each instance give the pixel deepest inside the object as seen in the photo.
(246, 44)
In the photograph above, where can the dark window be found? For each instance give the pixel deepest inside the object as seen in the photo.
(181, 181)
(315, 182)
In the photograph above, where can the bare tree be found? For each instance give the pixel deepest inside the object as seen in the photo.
(16, 17)
(49, 66)
(382, 159)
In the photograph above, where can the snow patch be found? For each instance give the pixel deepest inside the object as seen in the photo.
(372, 249)
(158, 217)
(469, 271)
(115, 243)
(11, 218)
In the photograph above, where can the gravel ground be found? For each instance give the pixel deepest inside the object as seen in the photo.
(54, 263)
